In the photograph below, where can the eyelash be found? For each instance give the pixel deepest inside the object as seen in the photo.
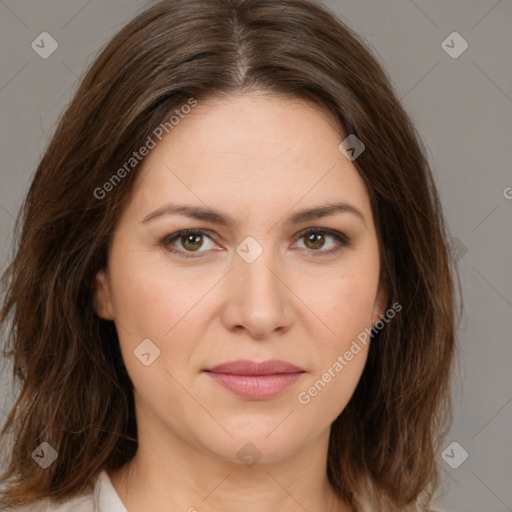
(341, 238)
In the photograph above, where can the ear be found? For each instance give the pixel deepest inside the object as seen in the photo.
(379, 306)
(101, 296)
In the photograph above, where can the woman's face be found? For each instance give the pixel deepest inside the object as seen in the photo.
(251, 283)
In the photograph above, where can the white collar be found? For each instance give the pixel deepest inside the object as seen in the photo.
(105, 496)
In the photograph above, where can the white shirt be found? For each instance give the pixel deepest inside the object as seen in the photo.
(104, 498)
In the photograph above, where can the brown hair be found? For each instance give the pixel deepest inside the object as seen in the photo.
(76, 393)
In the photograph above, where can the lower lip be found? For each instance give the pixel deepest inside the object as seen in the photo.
(256, 387)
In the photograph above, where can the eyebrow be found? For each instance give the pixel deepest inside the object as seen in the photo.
(223, 219)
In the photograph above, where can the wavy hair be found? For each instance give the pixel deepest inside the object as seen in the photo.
(75, 392)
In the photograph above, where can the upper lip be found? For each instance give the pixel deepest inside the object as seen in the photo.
(247, 367)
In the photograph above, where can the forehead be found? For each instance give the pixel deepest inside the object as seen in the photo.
(251, 150)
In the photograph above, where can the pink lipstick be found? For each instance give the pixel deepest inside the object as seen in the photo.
(255, 381)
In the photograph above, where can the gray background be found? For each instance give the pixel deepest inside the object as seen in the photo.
(463, 110)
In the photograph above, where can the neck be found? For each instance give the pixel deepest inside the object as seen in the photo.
(183, 476)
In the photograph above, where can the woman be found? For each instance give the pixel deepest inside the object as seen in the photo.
(233, 287)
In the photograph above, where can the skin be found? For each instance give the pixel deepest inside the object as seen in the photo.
(259, 159)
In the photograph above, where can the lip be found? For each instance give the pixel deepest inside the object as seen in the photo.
(255, 381)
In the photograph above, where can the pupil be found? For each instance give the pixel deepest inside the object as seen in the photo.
(190, 239)
(312, 237)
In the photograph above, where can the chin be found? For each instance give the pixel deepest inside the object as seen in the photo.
(261, 439)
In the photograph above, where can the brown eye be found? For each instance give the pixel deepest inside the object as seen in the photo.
(188, 242)
(192, 242)
(314, 240)
(323, 242)
(318, 242)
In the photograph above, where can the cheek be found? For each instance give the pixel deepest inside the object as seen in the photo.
(138, 303)
(148, 298)
(346, 304)
(346, 307)
(160, 303)
(340, 357)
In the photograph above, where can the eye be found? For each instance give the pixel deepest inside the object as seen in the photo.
(190, 240)
(315, 240)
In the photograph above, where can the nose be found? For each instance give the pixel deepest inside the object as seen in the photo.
(258, 299)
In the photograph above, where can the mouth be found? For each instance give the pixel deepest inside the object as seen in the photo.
(255, 381)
